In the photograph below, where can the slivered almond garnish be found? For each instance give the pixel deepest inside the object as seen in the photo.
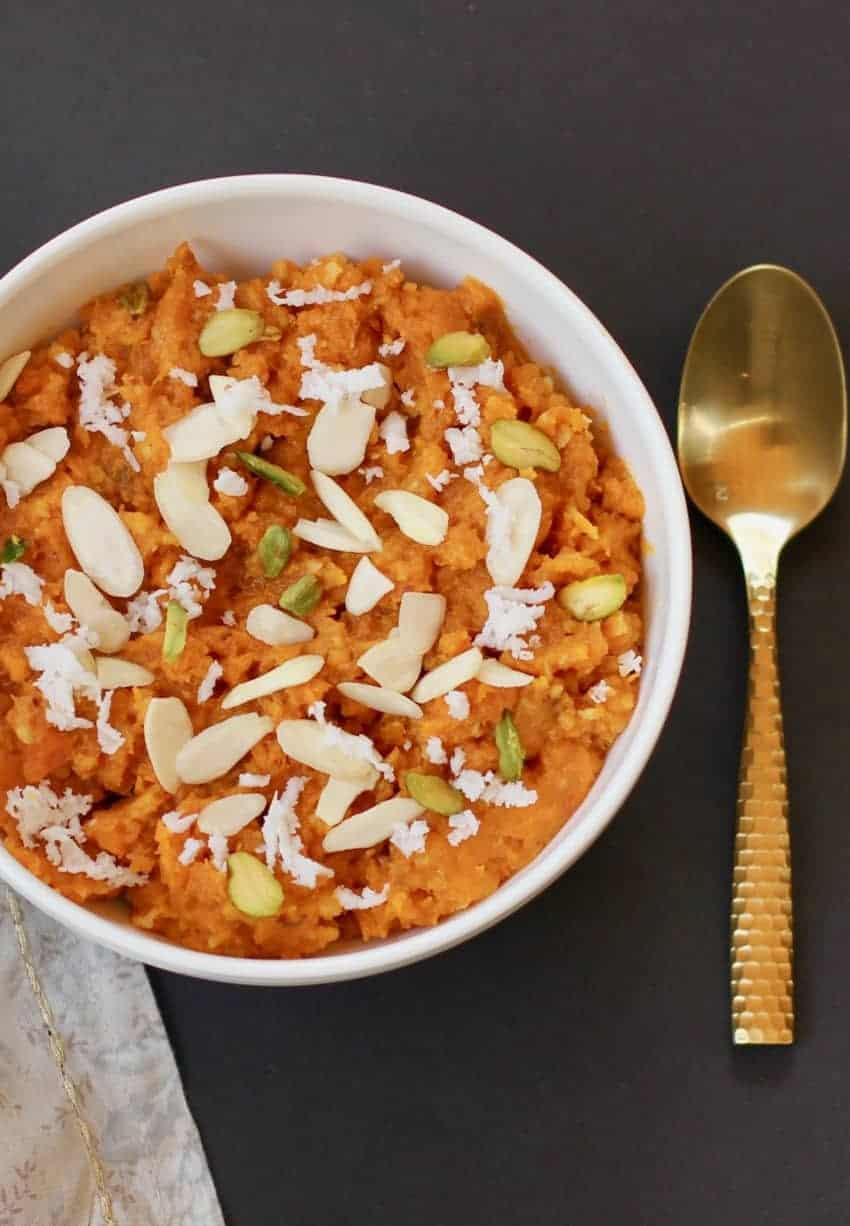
(182, 495)
(307, 742)
(492, 672)
(416, 517)
(339, 436)
(366, 587)
(231, 814)
(448, 676)
(372, 826)
(344, 509)
(93, 610)
(379, 699)
(512, 525)
(337, 797)
(204, 432)
(391, 664)
(26, 466)
(328, 534)
(101, 542)
(276, 628)
(167, 729)
(52, 442)
(212, 753)
(10, 370)
(79, 649)
(379, 397)
(293, 672)
(115, 674)
(420, 620)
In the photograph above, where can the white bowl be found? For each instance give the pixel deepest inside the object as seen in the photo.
(239, 226)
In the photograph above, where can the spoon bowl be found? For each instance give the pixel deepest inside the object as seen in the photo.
(762, 441)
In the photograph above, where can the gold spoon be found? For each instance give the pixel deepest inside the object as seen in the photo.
(762, 437)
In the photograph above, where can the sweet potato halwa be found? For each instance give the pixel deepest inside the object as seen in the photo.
(103, 794)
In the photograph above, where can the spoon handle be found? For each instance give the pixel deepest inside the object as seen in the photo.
(762, 934)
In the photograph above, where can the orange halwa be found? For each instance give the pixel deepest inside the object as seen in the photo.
(590, 525)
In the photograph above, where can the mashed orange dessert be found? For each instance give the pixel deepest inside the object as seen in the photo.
(319, 604)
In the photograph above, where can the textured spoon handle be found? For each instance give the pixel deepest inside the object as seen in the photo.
(762, 934)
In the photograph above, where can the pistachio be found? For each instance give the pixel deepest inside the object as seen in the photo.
(134, 298)
(13, 549)
(9, 371)
(297, 671)
(589, 600)
(252, 887)
(229, 330)
(302, 596)
(101, 542)
(167, 729)
(176, 625)
(458, 349)
(269, 625)
(288, 482)
(434, 793)
(416, 517)
(520, 445)
(275, 550)
(511, 752)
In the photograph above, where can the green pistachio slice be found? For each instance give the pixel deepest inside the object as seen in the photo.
(176, 624)
(226, 331)
(252, 888)
(288, 482)
(13, 549)
(302, 596)
(590, 600)
(458, 349)
(275, 550)
(135, 298)
(520, 445)
(511, 752)
(434, 793)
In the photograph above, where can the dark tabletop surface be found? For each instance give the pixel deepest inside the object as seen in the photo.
(574, 1064)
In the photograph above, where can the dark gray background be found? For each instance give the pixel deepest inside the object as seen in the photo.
(574, 1064)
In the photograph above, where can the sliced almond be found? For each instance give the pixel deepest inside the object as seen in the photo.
(115, 674)
(52, 442)
(492, 672)
(372, 826)
(307, 742)
(379, 397)
(379, 699)
(276, 628)
(366, 587)
(231, 814)
(212, 753)
(519, 507)
(328, 534)
(420, 620)
(182, 495)
(344, 509)
(337, 797)
(93, 610)
(294, 672)
(339, 436)
(449, 676)
(78, 648)
(26, 466)
(205, 431)
(10, 370)
(421, 520)
(101, 542)
(391, 665)
(167, 729)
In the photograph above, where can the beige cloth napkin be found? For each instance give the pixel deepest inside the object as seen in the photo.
(94, 1127)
